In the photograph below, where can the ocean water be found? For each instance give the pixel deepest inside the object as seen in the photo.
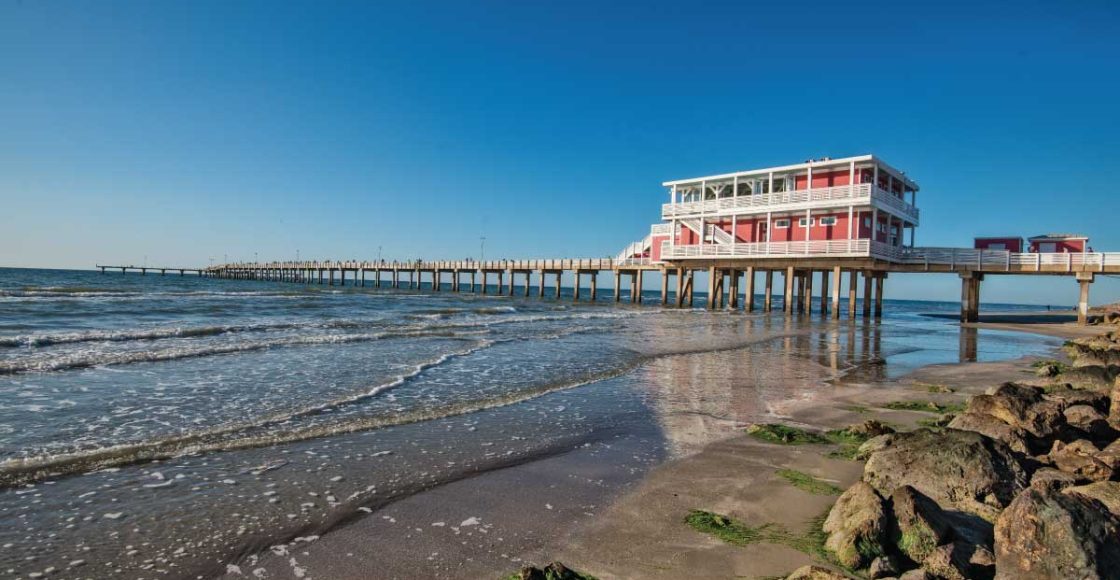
(167, 426)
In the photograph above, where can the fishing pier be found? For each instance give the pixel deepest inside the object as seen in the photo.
(796, 230)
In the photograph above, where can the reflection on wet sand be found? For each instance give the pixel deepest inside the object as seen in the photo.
(702, 397)
(968, 343)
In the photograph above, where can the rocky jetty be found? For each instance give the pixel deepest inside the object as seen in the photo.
(1024, 483)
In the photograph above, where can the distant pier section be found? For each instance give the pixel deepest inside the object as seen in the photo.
(145, 269)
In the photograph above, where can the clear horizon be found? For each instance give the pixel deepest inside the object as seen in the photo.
(185, 132)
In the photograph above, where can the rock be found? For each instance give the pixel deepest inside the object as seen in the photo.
(1079, 458)
(953, 561)
(1030, 394)
(961, 470)
(857, 526)
(1048, 370)
(1114, 408)
(815, 573)
(553, 571)
(990, 426)
(874, 444)
(918, 574)
(1105, 492)
(870, 428)
(1089, 420)
(1050, 478)
(1110, 456)
(1068, 396)
(1095, 377)
(883, 567)
(921, 524)
(983, 557)
(1047, 535)
(1020, 406)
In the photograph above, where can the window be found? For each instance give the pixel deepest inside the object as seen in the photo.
(828, 220)
(801, 222)
(999, 246)
(866, 222)
(782, 223)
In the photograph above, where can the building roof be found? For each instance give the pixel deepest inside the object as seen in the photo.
(822, 163)
(1044, 237)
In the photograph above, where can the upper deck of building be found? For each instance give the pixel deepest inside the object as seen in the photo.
(864, 180)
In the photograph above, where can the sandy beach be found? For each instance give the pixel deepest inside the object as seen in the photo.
(615, 509)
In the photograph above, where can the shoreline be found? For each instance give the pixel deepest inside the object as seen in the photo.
(620, 513)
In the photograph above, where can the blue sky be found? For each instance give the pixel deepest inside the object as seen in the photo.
(187, 131)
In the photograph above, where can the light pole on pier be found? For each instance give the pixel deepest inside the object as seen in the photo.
(481, 249)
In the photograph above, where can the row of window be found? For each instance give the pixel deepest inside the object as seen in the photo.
(824, 221)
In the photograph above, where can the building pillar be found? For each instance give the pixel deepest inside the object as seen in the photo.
(528, 273)
(540, 288)
(576, 275)
(787, 303)
(970, 296)
(617, 285)
(733, 290)
(484, 276)
(807, 306)
(690, 286)
(824, 292)
(680, 287)
(867, 287)
(748, 295)
(664, 287)
(711, 288)
(637, 280)
(836, 275)
(1084, 279)
(559, 275)
(853, 287)
(879, 280)
(768, 298)
(594, 286)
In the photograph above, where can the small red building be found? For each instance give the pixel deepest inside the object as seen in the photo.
(1009, 243)
(1059, 244)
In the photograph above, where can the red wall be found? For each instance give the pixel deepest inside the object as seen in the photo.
(823, 179)
(1066, 246)
(655, 249)
(1011, 244)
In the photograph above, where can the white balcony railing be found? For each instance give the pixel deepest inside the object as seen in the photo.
(836, 248)
(791, 200)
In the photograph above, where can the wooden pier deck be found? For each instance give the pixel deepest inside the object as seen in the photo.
(729, 277)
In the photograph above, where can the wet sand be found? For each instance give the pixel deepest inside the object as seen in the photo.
(615, 509)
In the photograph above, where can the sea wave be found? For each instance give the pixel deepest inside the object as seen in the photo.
(168, 332)
(156, 333)
(19, 471)
(48, 362)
